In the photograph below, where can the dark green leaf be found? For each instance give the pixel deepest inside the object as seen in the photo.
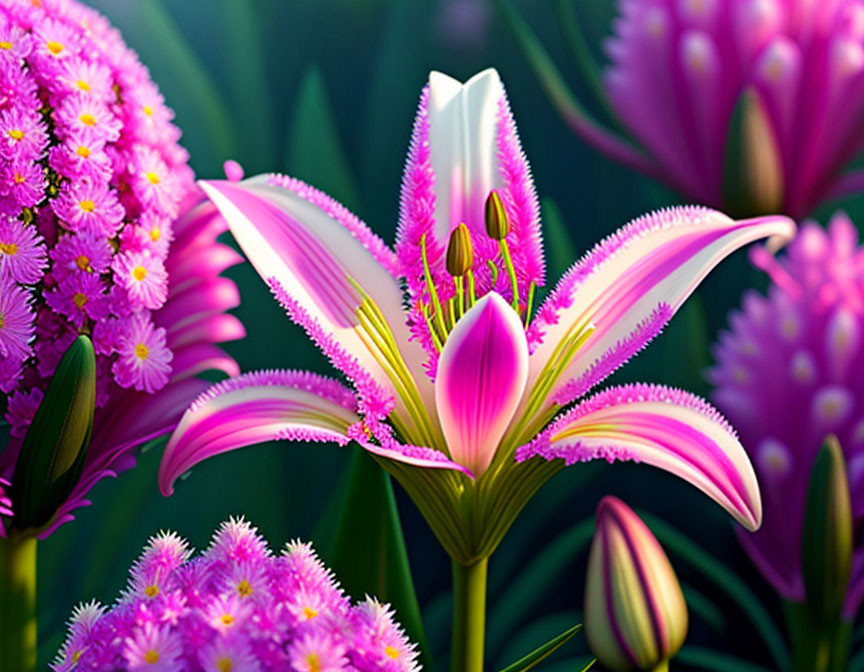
(538, 576)
(715, 661)
(53, 451)
(315, 153)
(368, 551)
(543, 651)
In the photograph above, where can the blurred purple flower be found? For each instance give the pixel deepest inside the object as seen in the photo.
(788, 373)
(794, 69)
(235, 607)
(93, 188)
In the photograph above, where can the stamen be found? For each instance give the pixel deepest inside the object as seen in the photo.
(531, 288)
(511, 271)
(433, 293)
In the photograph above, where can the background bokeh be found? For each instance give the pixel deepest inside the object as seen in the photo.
(326, 90)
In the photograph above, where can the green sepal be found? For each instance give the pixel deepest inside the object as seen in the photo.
(55, 446)
(826, 540)
(753, 182)
(544, 651)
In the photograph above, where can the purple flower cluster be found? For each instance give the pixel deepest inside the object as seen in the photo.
(788, 373)
(236, 607)
(91, 178)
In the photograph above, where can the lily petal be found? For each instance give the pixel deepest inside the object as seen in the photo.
(666, 428)
(254, 408)
(481, 377)
(646, 269)
(329, 264)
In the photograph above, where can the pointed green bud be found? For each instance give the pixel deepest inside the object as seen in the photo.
(635, 614)
(460, 252)
(497, 222)
(753, 181)
(826, 541)
(53, 451)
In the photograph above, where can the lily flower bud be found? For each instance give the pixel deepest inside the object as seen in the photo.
(753, 173)
(460, 252)
(826, 540)
(55, 446)
(635, 614)
(497, 222)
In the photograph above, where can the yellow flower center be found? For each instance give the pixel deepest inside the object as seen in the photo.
(309, 613)
(18, 177)
(139, 273)
(2, 320)
(224, 664)
(88, 119)
(149, 591)
(16, 134)
(390, 651)
(148, 110)
(54, 47)
(83, 151)
(6, 45)
(8, 248)
(84, 86)
(142, 352)
(314, 663)
(155, 234)
(83, 262)
(153, 177)
(79, 299)
(244, 588)
(227, 619)
(76, 656)
(151, 657)
(87, 206)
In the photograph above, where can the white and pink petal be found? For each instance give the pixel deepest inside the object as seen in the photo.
(257, 407)
(666, 428)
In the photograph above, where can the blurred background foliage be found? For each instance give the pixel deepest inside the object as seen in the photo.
(326, 90)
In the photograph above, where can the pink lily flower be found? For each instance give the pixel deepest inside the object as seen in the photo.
(464, 395)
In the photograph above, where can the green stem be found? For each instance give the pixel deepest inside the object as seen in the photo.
(469, 616)
(662, 667)
(18, 604)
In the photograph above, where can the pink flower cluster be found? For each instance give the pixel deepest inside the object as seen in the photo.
(788, 373)
(235, 607)
(91, 178)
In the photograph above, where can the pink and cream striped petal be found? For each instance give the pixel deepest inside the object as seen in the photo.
(646, 269)
(481, 377)
(257, 407)
(326, 260)
(666, 428)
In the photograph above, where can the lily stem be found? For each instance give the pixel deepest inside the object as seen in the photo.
(469, 616)
(18, 603)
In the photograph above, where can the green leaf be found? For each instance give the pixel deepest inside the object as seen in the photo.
(715, 661)
(247, 78)
(314, 152)
(544, 651)
(578, 664)
(715, 571)
(704, 608)
(55, 446)
(561, 252)
(201, 111)
(368, 551)
(541, 574)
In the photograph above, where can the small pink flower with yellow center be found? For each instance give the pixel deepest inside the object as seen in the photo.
(22, 252)
(144, 361)
(144, 277)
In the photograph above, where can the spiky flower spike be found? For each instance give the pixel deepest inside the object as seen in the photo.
(238, 608)
(101, 233)
(447, 391)
(752, 106)
(788, 373)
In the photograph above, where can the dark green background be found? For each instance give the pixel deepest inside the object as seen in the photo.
(326, 90)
